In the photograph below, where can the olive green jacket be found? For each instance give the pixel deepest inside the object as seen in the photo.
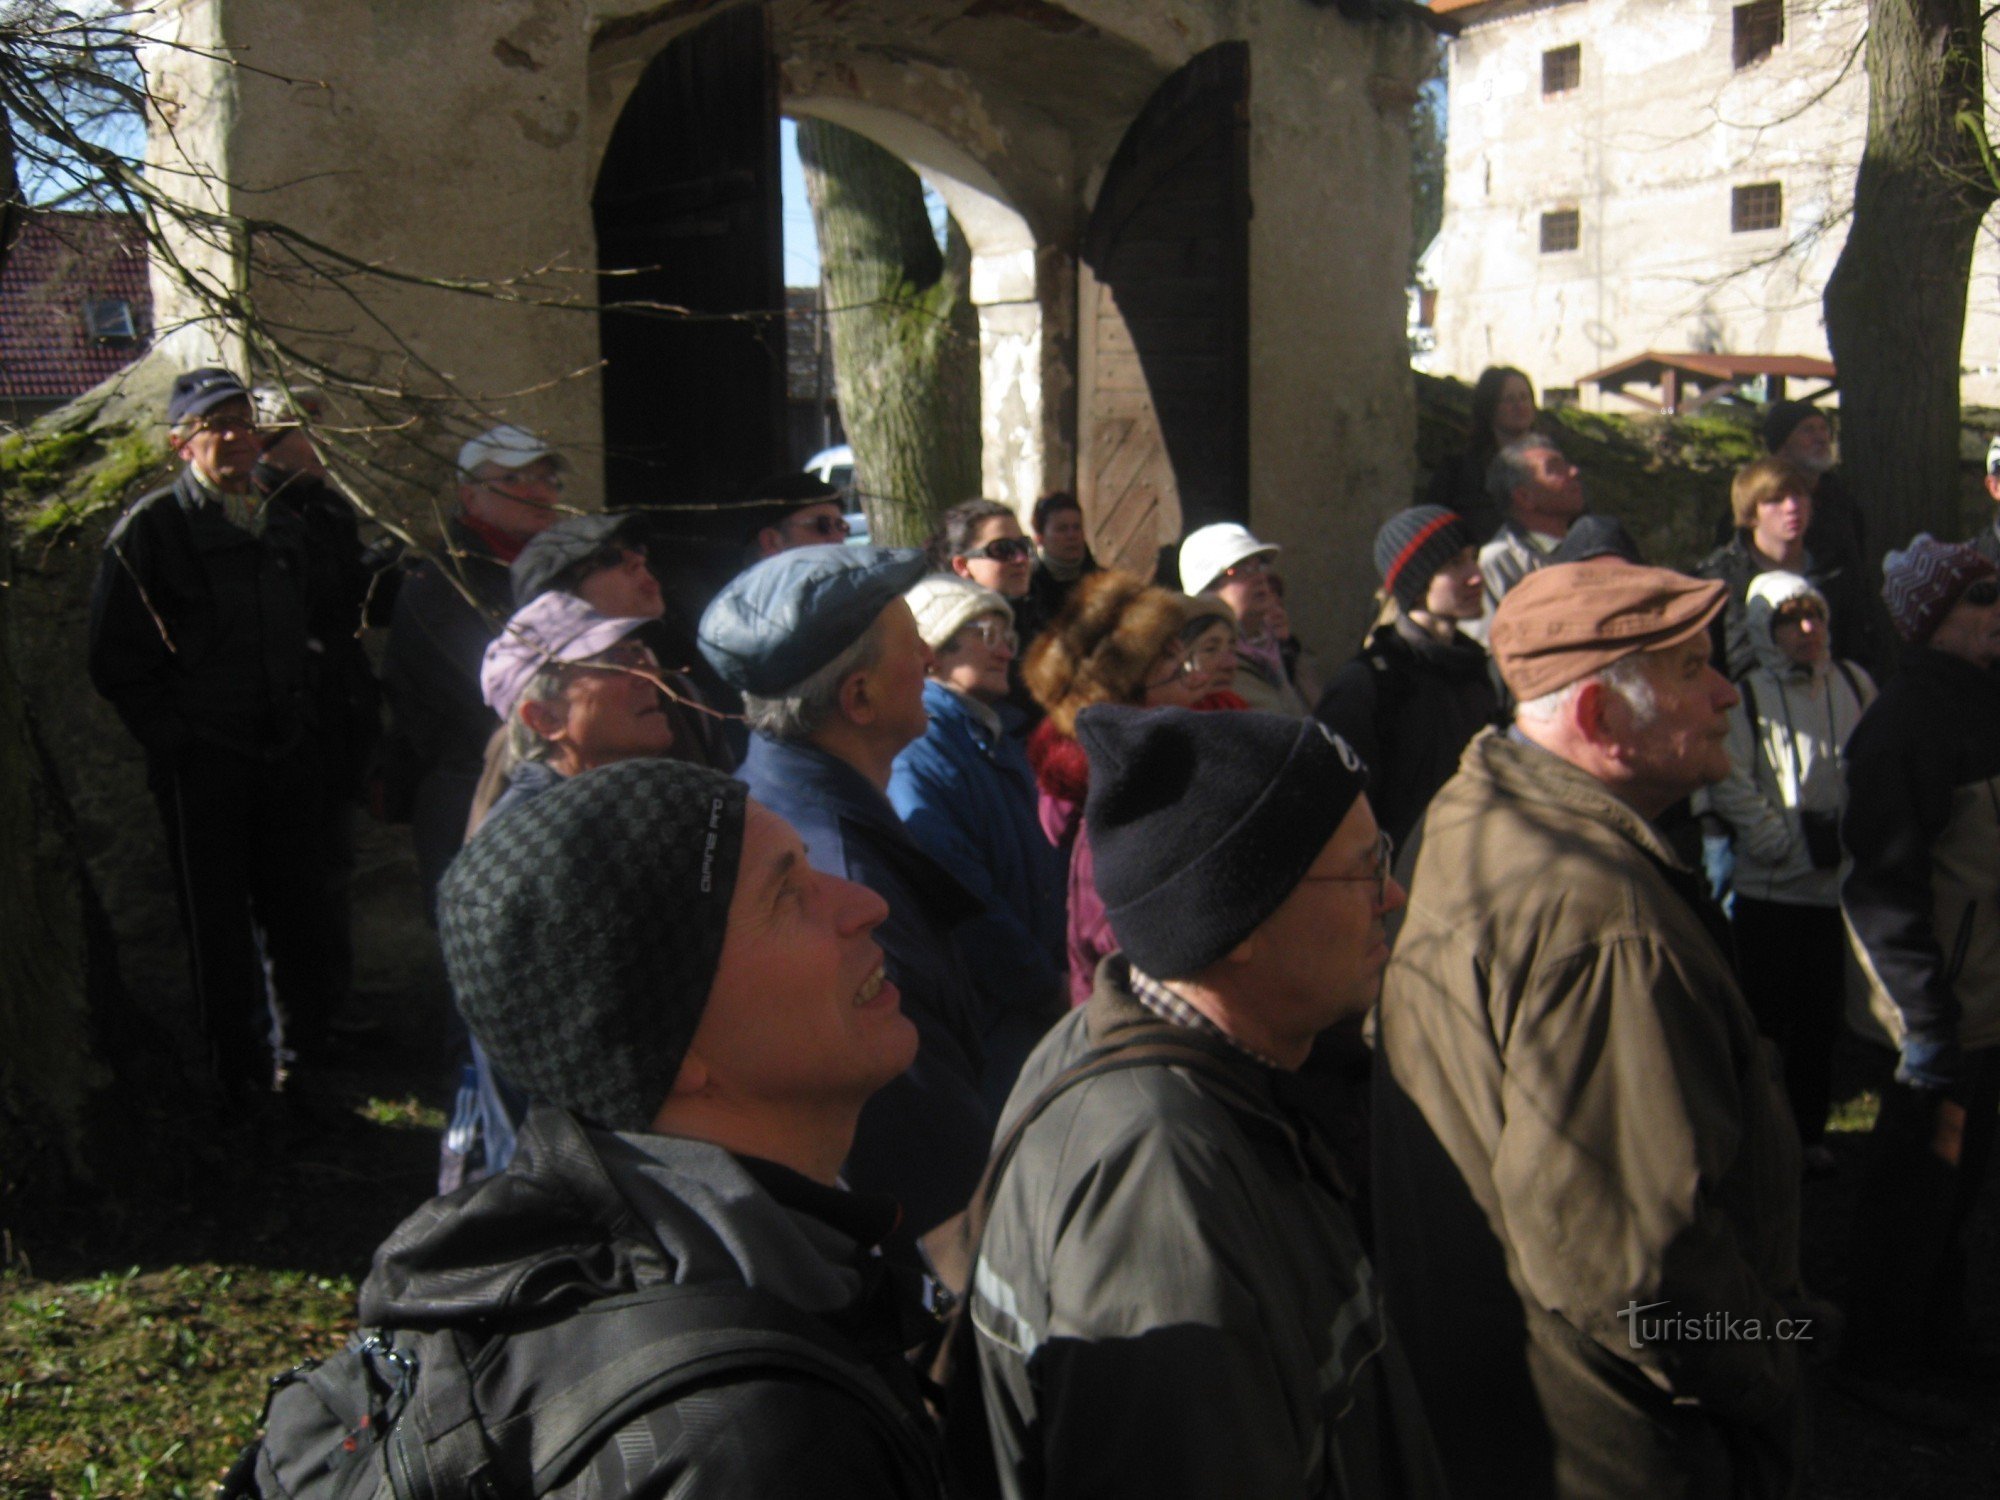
(1586, 1178)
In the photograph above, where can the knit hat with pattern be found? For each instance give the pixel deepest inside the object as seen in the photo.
(1922, 582)
(1412, 545)
(581, 931)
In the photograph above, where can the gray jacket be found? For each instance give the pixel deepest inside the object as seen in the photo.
(1171, 1299)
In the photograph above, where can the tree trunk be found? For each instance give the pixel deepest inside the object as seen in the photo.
(1895, 305)
(905, 335)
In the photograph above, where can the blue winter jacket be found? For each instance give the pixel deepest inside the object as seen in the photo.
(923, 1139)
(968, 799)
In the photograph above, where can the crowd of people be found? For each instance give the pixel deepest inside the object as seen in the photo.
(967, 974)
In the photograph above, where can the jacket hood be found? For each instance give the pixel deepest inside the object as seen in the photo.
(583, 1214)
(1768, 593)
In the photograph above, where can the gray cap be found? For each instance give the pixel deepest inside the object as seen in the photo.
(552, 553)
(780, 621)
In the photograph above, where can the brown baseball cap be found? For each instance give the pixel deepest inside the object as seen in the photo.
(1561, 623)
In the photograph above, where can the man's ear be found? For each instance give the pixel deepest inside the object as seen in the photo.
(1593, 706)
(691, 1079)
(857, 704)
(770, 542)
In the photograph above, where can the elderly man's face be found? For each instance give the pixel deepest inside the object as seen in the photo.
(1555, 487)
(1971, 632)
(801, 1010)
(895, 684)
(222, 445)
(809, 526)
(1679, 747)
(1319, 957)
(1809, 446)
(520, 502)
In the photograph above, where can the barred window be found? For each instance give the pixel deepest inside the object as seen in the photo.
(1562, 230)
(1760, 26)
(1562, 68)
(1761, 205)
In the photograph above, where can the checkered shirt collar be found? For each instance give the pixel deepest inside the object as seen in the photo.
(1168, 1006)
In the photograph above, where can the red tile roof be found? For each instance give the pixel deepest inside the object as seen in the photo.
(62, 261)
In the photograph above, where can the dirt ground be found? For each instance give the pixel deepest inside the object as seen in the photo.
(137, 1330)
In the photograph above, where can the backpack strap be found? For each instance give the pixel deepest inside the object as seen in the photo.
(646, 1348)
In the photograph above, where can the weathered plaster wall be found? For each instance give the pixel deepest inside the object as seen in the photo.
(433, 142)
(1647, 149)
(1332, 412)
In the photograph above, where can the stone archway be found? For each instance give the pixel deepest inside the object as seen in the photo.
(1014, 460)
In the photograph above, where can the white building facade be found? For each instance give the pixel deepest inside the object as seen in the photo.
(1672, 175)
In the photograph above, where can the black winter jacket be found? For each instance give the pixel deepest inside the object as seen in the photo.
(1923, 826)
(199, 629)
(1409, 704)
(437, 644)
(582, 1215)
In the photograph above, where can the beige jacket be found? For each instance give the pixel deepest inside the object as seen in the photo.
(1575, 1118)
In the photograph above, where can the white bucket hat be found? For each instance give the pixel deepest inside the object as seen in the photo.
(1212, 551)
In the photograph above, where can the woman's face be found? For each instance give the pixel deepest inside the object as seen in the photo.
(1173, 681)
(975, 660)
(1213, 653)
(1007, 576)
(1516, 412)
(1456, 590)
(612, 710)
(624, 588)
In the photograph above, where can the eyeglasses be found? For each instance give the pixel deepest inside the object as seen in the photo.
(1003, 549)
(995, 634)
(1983, 594)
(1250, 567)
(825, 526)
(225, 427)
(630, 655)
(1385, 862)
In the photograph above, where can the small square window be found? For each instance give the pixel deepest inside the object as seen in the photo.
(1758, 206)
(109, 320)
(1561, 230)
(1562, 68)
(1760, 26)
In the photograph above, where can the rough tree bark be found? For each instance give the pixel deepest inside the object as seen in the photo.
(905, 335)
(1895, 305)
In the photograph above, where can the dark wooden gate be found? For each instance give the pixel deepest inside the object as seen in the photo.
(687, 209)
(1163, 319)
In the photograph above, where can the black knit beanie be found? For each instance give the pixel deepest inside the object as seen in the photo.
(1783, 418)
(1201, 824)
(1412, 545)
(581, 931)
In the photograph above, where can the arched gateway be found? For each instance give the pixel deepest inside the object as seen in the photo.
(1190, 225)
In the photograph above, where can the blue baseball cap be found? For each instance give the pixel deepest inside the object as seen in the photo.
(199, 392)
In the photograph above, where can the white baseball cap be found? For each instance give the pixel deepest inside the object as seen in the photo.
(1212, 551)
(508, 446)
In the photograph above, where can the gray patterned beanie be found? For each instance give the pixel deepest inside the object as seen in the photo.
(581, 931)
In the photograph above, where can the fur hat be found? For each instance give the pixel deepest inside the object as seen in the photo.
(1100, 648)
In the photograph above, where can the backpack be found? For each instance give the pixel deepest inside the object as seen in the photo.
(970, 1467)
(446, 1414)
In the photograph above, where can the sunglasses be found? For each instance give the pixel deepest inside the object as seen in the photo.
(1004, 549)
(825, 526)
(1983, 594)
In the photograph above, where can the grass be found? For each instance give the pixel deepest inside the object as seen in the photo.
(148, 1383)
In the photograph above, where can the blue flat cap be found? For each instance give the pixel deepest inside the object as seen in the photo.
(779, 622)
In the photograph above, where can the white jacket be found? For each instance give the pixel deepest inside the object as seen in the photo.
(1788, 757)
